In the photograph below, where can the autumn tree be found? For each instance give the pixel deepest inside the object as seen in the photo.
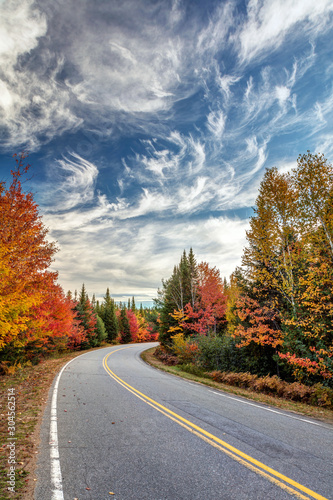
(313, 181)
(35, 314)
(25, 257)
(177, 291)
(287, 263)
(192, 300)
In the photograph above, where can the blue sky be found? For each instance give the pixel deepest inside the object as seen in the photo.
(150, 124)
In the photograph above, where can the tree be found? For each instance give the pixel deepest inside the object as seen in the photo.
(25, 256)
(207, 315)
(100, 330)
(288, 302)
(274, 255)
(108, 315)
(177, 291)
(313, 180)
(124, 327)
(87, 318)
(192, 300)
(35, 314)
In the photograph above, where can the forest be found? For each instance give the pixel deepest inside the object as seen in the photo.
(272, 316)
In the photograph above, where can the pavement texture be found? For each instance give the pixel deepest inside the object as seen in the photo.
(116, 443)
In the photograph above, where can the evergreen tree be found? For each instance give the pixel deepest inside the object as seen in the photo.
(100, 331)
(108, 315)
(98, 308)
(133, 307)
(124, 327)
(87, 318)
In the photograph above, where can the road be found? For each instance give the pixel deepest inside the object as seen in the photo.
(115, 427)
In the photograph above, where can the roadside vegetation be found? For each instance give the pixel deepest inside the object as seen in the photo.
(37, 319)
(270, 326)
(266, 331)
(195, 374)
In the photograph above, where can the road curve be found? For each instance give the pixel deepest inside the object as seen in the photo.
(115, 427)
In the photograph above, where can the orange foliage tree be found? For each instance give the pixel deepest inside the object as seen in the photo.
(288, 303)
(207, 313)
(32, 305)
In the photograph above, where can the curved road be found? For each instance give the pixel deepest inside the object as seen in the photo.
(117, 428)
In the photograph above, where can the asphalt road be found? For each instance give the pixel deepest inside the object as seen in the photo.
(121, 429)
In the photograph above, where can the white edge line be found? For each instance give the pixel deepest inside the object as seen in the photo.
(56, 478)
(269, 409)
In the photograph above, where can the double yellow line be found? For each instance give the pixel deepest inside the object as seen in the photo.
(251, 463)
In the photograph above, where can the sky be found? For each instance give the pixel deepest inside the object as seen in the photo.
(150, 124)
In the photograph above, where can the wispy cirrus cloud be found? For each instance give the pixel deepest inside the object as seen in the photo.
(218, 241)
(270, 21)
(72, 181)
(153, 122)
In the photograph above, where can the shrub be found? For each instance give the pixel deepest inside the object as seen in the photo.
(317, 395)
(193, 369)
(185, 349)
(219, 353)
(165, 356)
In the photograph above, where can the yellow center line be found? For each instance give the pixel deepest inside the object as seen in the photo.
(231, 451)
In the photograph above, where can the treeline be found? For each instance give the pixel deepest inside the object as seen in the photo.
(112, 322)
(275, 314)
(36, 317)
(35, 314)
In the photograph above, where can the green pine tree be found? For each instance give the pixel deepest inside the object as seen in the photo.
(100, 331)
(124, 327)
(108, 314)
(87, 318)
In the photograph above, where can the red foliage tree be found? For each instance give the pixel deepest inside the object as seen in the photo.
(208, 313)
(32, 305)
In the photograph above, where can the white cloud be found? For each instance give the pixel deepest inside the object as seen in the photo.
(225, 83)
(72, 182)
(152, 248)
(282, 94)
(216, 123)
(21, 26)
(269, 21)
(30, 104)
(127, 70)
